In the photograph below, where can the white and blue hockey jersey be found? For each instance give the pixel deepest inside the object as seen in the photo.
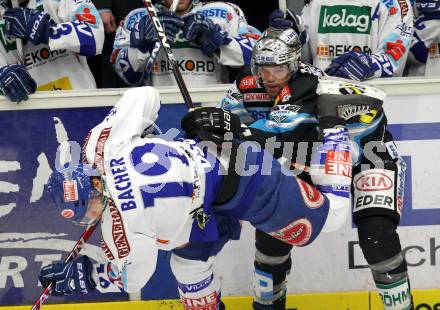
(197, 69)
(62, 64)
(164, 194)
(425, 47)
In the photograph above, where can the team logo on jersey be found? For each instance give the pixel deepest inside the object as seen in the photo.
(297, 233)
(87, 14)
(345, 19)
(201, 217)
(283, 112)
(396, 49)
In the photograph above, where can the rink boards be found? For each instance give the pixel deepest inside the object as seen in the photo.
(424, 300)
(32, 234)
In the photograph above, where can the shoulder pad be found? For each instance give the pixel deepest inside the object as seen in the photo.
(331, 86)
(133, 17)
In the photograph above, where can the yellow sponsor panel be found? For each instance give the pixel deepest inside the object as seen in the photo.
(60, 84)
(324, 301)
(424, 300)
(329, 301)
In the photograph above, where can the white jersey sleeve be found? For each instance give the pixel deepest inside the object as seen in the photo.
(154, 185)
(381, 29)
(395, 34)
(425, 47)
(134, 113)
(132, 256)
(230, 17)
(128, 62)
(78, 28)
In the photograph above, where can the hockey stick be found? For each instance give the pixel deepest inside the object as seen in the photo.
(282, 4)
(73, 254)
(160, 32)
(156, 48)
(18, 42)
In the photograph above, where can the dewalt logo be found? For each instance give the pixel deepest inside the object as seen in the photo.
(345, 19)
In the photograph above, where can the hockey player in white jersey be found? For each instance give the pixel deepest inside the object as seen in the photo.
(352, 39)
(206, 38)
(57, 37)
(170, 195)
(424, 59)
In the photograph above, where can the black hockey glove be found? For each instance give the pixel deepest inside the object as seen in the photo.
(211, 124)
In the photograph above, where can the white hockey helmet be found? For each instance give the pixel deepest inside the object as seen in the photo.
(277, 47)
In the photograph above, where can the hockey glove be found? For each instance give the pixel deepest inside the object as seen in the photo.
(16, 83)
(143, 35)
(353, 66)
(280, 20)
(68, 278)
(211, 124)
(233, 102)
(29, 24)
(204, 33)
(429, 8)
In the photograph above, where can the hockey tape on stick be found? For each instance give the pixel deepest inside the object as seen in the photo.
(282, 5)
(153, 54)
(173, 6)
(160, 32)
(18, 41)
(73, 254)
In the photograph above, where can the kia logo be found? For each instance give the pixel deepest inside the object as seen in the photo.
(374, 181)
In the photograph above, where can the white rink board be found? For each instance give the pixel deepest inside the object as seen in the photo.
(324, 265)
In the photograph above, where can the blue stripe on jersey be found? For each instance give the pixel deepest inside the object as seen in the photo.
(130, 76)
(85, 37)
(246, 48)
(165, 190)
